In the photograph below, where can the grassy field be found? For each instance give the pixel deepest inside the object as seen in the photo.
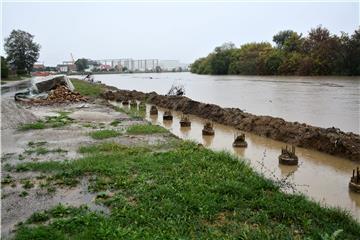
(86, 88)
(188, 192)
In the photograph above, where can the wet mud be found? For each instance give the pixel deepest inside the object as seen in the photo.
(329, 140)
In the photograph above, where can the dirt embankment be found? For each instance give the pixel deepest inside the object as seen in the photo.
(328, 140)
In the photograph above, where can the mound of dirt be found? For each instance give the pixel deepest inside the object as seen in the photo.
(328, 140)
(13, 116)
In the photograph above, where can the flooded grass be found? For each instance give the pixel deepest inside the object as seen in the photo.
(186, 192)
(145, 129)
(102, 134)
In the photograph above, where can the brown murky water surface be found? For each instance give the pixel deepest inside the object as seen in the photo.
(318, 101)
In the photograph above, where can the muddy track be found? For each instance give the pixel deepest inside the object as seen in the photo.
(328, 140)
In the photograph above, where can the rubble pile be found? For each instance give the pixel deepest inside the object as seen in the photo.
(51, 90)
(62, 94)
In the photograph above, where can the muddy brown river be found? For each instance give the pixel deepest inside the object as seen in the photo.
(320, 176)
(319, 101)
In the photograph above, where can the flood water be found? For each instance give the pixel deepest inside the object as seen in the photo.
(323, 102)
(322, 177)
(319, 101)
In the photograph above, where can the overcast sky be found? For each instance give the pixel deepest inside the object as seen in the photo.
(182, 31)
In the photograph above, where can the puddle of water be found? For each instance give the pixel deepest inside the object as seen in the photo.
(322, 177)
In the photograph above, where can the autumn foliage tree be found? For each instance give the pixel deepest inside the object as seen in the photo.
(318, 53)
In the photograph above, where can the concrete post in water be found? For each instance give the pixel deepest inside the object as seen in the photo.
(167, 116)
(354, 184)
(185, 121)
(208, 129)
(153, 110)
(239, 140)
(288, 157)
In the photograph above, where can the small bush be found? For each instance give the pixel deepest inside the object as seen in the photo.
(38, 217)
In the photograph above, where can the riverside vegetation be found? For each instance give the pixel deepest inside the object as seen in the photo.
(318, 53)
(175, 190)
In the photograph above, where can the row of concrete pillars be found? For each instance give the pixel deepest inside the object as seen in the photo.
(287, 157)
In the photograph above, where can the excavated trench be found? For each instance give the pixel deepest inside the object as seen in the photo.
(329, 140)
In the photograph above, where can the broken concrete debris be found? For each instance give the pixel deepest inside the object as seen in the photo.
(50, 90)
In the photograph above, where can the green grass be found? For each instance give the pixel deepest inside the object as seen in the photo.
(27, 184)
(115, 123)
(86, 88)
(110, 148)
(31, 126)
(102, 134)
(145, 129)
(50, 121)
(185, 193)
(43, 151)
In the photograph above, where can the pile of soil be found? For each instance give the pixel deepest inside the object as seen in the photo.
(61, 94)
(328, 140)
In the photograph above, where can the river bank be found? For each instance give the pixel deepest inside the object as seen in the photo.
(330, 140)
(139, 181)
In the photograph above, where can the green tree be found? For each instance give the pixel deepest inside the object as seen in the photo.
(81, 64)
(22, 52)
(325, 51)
(352, 53)
(319, 53)
(248, 59)
(271, 61)
(4, 68)
(221, 59)
(281, 37)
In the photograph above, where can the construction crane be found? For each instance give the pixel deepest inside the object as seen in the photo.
(72, 58)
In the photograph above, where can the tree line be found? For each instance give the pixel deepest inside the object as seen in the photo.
(318, 53)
